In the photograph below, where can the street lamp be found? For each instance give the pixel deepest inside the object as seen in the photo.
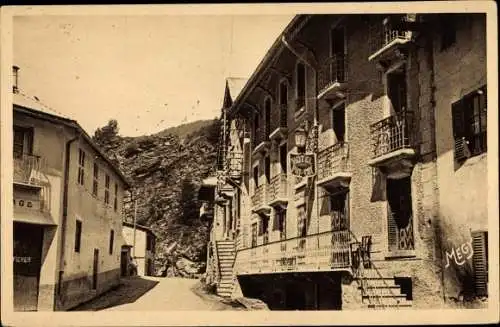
(300, 141)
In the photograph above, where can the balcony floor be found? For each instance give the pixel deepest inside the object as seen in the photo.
(278, 133)
(261, 147)
(333, 90)
(394, 156)
(384, 52)
(337, 179)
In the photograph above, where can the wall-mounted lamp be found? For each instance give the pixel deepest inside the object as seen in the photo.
(300, 139)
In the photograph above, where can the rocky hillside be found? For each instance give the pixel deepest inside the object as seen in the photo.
(166, 171)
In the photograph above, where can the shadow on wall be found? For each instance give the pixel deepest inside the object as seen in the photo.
(128, 291)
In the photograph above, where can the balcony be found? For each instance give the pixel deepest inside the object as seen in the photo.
(392, 42)
(281, 130)
(333, 169)
(259, 200)
(327, 251)
(332, 79)
(278, 195)
(393, 143)
(29, 170)
(261, 141)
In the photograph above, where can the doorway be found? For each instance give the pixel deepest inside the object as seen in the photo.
(28, 241)
(400, 217)
(95, 269)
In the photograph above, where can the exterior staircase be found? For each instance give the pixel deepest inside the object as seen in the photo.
(226, 255)
(378, 289)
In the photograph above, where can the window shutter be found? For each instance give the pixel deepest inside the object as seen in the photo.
(480, 262)
(276, 220)
(261, 227)
(457, 114)
(392, 230)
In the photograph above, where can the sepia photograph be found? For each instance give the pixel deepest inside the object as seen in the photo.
(227, 159)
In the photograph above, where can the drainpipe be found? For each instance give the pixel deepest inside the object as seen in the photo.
(65, 210)
(315, 117)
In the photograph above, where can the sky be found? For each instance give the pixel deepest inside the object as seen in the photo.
(148, 72)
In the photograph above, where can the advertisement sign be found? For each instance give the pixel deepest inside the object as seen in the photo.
(297, 161)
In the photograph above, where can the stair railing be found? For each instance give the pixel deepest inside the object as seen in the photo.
(372, 295)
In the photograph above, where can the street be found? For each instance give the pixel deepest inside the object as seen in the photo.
(156, 294)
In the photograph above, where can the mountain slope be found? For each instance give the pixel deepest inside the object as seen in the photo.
(166, 171)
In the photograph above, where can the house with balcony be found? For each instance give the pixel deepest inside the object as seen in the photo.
(67, 215)
(346, 208)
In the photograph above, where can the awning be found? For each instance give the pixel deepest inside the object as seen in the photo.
(34, 217)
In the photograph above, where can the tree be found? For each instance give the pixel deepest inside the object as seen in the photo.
(107, 136)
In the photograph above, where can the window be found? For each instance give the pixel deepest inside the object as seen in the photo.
(256, 176)
(469, 124)
(111, 240)
(480, 262)
(338, 123)
(279, 223)
(81, 167)
(106, 190)
(149, 242)
(396, 89)
(301, 85)
(23, 141)
(267, 169)
(264, 228)
(283, 98)
(339, 211)
(267, 111)
(254, 235)
(115, 201)
(95, 184)
(283, 93)
(256, 129)
(400, 215)
(78, 235)
(448, 31)
(283, 155)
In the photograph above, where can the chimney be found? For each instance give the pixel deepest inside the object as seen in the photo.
(15, 73)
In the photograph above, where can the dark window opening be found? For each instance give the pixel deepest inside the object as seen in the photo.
(115, 202)
(23, 141)
(338, 117)
(267, 169)
(301, 85)
(111, 240)
(267, 110)
(396, 89)
(81, 167)
(283, 158)
(469, 124)
(400, 215)
(254, 235)
(106, 190)
(264, 229)
(256, 176)
(283, 93)
(302, 221)
(406, 286)
(78, 235)
(95, 184)
(339, 211)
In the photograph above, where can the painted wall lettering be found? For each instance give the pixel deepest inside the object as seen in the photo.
(459, 254)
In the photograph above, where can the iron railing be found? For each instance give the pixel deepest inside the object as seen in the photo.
(278, 188)
(392, 133)
(385, 35)
(332, 160)
(333, 71)
(29, 169)
(322, 251)
(260, 196)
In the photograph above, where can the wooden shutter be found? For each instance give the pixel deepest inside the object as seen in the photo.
(480, 262)
(261, 227)
(457, 114)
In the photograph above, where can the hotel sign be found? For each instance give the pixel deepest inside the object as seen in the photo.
(299, 160)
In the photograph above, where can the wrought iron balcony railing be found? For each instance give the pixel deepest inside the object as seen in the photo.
(319, 252)
(333, 160)
(29, 169)
(333, 71)
(393, 133)
(259, 198)
(278, 188)
(387, 35)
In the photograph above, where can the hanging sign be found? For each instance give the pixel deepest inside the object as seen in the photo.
(302, 164)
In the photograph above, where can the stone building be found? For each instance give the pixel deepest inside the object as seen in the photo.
(364, 152)
(141, 241)
(67, 210)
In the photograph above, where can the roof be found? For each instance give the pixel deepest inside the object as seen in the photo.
(140, 227)
(235, 85)
(33, 107)
(293, 27)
